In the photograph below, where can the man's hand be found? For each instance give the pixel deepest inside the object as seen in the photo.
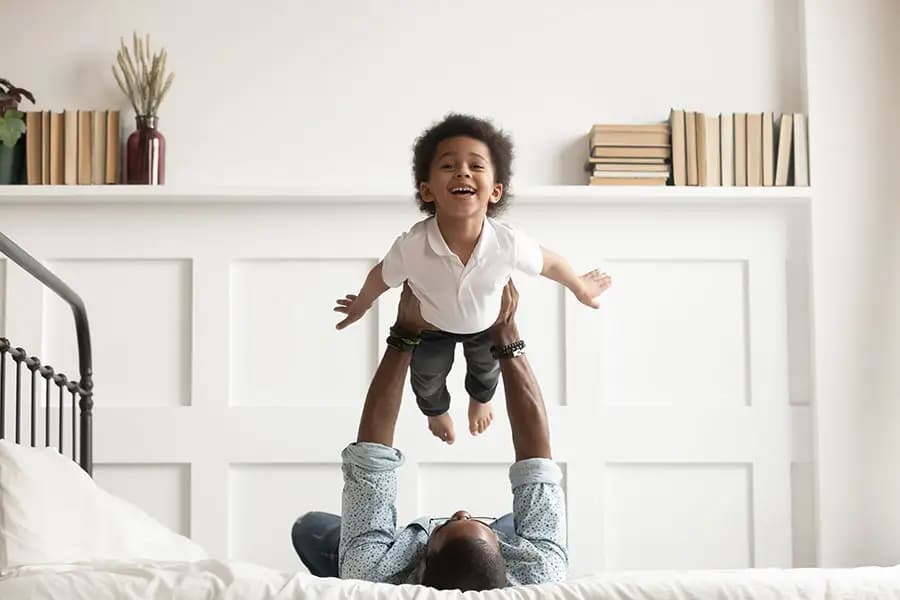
(351, 306)
(504, 330)
(592, 285)
(409, 313)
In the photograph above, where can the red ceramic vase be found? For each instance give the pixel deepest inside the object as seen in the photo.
(145, 153)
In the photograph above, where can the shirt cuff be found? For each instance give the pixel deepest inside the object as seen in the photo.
(534, 470)
(372, 456)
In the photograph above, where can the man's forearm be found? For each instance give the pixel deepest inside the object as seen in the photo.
(525, 407)
(379, 416)
(524, 401)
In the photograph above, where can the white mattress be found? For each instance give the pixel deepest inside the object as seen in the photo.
(234, 580)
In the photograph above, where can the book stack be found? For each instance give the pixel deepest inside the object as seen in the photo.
(739, 149)
(73, 147)
(630, 154)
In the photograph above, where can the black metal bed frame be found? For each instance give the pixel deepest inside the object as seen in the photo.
(83, 388)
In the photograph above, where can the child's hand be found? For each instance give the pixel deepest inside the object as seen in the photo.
(592, 285)
(352, 307)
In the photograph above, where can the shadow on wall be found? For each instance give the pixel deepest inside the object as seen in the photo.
(569, 168)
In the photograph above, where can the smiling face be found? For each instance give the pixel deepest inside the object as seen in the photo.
(461, 180)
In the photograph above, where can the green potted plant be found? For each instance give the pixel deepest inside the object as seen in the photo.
(12, 128)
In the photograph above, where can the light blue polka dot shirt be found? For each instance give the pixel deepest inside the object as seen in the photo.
(373, 549)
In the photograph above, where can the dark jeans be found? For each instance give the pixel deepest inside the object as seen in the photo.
(317, 535)
(432, 360)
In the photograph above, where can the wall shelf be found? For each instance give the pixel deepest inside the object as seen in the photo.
(569, 194)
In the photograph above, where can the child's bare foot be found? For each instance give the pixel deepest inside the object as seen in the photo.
(442, 427)
(480, 416)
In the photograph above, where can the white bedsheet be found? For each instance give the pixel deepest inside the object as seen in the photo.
(217, 580)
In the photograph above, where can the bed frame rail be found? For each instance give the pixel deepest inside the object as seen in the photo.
(81, 390)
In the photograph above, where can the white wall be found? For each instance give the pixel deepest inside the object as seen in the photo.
(853, 86)
(281, 91)
(326, 92)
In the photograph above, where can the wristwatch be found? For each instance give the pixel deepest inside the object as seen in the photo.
(509, 351)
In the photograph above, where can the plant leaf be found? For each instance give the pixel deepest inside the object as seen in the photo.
(12, 126)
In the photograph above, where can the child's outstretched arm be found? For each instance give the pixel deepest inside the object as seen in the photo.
(585, 287)
(356, 305)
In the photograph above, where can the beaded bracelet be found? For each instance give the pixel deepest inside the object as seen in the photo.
(402, 341)
(512, 350)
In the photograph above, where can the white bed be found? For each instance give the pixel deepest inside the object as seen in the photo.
(211, 579)
(61, 536)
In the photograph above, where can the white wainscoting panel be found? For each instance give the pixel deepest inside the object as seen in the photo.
(803, 514)
(677, 333)
(161, 490)
(679, 515)
(672, 407)
(265, 501)
(140, 317)
(280, 310)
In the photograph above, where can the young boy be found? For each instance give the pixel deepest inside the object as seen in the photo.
(457, 262)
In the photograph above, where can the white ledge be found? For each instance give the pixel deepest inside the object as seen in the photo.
(570, 194)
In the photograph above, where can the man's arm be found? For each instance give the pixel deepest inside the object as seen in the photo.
(369, 516)
(379, 415)
(538, 500)
(524, 402)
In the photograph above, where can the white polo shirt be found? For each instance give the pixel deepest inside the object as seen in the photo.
(454, 297)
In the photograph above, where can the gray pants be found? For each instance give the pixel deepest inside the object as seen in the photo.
(432, 360)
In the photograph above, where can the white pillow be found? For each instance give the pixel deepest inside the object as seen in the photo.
(52, 512)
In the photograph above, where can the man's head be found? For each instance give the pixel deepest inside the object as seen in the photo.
(464, 554)
(462, 167)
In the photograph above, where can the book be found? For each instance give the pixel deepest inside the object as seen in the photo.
(768, 149)
(45, 147)
(701, 137)
(690, 145)
(708, 169)
(801, 160)
(754, 149)
(625, 160)
(112, 147)
(679, 166)
(785, 136)
(57, 149)
(638, 127)
(627, 174)
(631, 151)
(70, 142)
(656, 168)
(713, 151)
(629, 138)
(85, 146)
(740, 149)
(33, 139)
(726, 148)
(628, 181)
(98, 147)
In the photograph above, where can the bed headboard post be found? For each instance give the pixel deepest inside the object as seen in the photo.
(87, 417)
(85, 384)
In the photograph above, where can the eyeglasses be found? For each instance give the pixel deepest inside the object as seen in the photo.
(434, 524)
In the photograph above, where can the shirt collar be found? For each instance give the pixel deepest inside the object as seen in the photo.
(486, 243)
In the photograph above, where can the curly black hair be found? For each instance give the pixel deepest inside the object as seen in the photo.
(465, 564)
(454, 125)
